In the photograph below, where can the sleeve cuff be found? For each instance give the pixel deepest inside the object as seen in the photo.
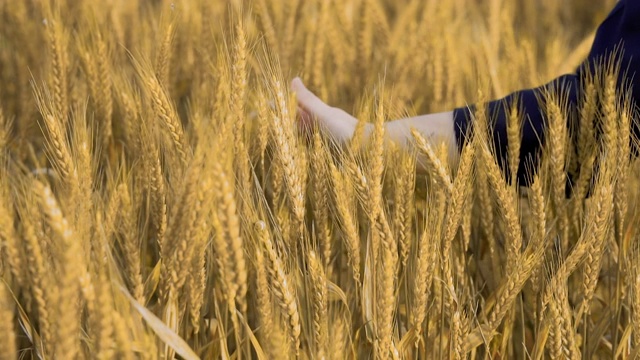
(462, 117)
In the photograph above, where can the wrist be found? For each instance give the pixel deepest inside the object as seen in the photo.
(436, 128)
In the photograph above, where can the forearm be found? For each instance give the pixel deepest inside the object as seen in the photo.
(436, 128)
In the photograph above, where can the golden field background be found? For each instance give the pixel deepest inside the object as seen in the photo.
(157, 201)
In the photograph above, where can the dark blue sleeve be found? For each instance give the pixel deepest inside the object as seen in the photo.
(531, 105)
(619, 31)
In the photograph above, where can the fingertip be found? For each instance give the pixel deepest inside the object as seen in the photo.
(298, 86)
(304, 95)
(295, 83)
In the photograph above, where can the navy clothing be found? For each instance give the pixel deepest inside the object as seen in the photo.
(619, 31)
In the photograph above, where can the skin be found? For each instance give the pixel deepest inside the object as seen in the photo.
(340, 125)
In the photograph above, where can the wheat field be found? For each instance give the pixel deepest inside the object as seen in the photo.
(157, 200)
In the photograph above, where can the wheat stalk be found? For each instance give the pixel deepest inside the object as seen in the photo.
(160, 137)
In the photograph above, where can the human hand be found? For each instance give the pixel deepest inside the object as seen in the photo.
(334, 122)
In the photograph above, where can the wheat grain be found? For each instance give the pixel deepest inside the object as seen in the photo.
(159, 200)
(130, 245)
(197, 277)
(385, 300)
(434, 164)
(121, 335)
(39, 274)
(365, 37)
(347, 221)
(457, 336)
(539, 232)
(512, 286)
(229, 217)
(557, 146)
(320, 178)
(598, 217)
(508, 205)
(286, 148)
(59, 148)
(586, 135)
(292, 8)
(165, 111)
(7, 334)
(263, 298)
(9, 244)
(204, 140)
(105, 100)
(67, 317)
(636, 308)
(403, 194)
(263, 12)
(425, 267)
(514, 136)
(282, 289)
(105, 328)
(454, 215)
(163, 54)
(59, 66)
(319, 294)
(176, 251)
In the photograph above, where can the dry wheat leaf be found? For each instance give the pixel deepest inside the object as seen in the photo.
(167, 335)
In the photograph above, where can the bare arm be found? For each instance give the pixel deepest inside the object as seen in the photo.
(436, 128)
(340, 125)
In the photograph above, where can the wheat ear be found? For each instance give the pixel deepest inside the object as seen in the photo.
(281, 287)
(347, 221)
(321, 178)
(60, 65)
(318, 282)
(9, 243)
(8, 342)
(67, 343)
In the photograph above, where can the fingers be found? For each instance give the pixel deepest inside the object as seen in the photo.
(307, 99)
(304, 97)
(312, 111)
(305, 124)
(305, 120)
